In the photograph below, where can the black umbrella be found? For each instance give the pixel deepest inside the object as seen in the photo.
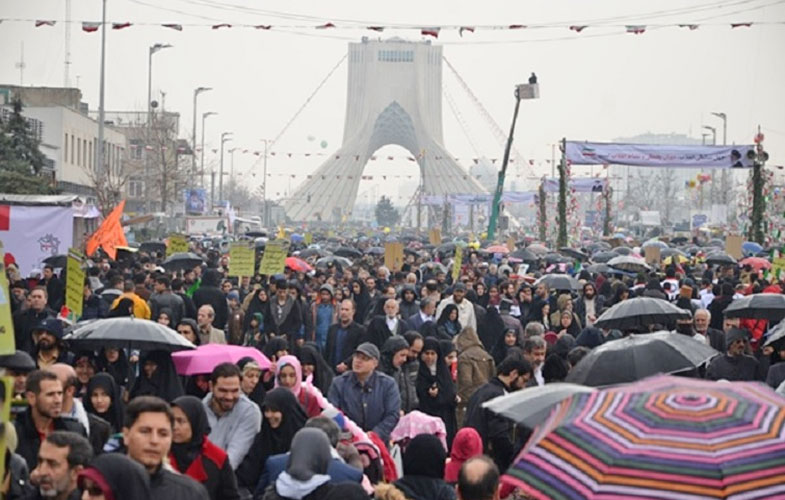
(310, 252)
(182, 261)
(575, 254)
(770, 306)
(56, 261)
(670, 252)
(775, 334)
(639, 356)
(623, 250)
(604, 256)
(348, 252)
(600, 268)
(720, 259)
(375, 251)
(716, 242)
(525, 255)
(640, 312)
(336, 260)
(629, 263)
(126, 333)
(559, 282)
(19, 361)
(533, 406)
(153, 247)
(679, 240)
(555, 258)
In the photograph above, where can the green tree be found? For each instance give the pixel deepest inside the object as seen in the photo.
(386, 214)
(21, 161)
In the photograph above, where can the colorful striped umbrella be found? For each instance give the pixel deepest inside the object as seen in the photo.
(664, 437)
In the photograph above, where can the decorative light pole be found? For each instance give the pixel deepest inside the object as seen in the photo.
(759, 158)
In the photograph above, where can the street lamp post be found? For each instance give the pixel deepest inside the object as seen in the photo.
(713, 131)
(713, 186)
(153, 49)
(523, 91)
(265, 217)
(193, 133)
(224, 137)
(201, 167)
(724, 192)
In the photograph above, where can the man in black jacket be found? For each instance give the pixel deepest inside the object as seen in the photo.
(386, 325)
(209, 293)
(44, 393)
(26, 320)
(284, 314)
(60, 459)
(512, 374)
(343, 338)
(55, 290)
(715, 338)
(735, 364)
(147, 436)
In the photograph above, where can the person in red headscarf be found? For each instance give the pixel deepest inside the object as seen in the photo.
(467, 444)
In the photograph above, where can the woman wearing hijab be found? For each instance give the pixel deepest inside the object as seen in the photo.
(103, 399)
(123, 309)
(189, 329)
(274, 349)
(395, 353)
(282, 417)
(114, 476)
(195, 456)
(362, 300)
(165, 318)
(567, 324)
(315, 367)
(448, 322)
(506, 342)
(114, 362)
(467, 444)
(435, 388)
(250, 380)
(423, 470)
(305, 477)
(85, 365)
(289, 374)
(157, 377)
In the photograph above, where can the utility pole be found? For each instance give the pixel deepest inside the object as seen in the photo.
(522, 91)
(561, 240)
(99, 161)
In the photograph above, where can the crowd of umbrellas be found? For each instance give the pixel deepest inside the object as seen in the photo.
(621, 425)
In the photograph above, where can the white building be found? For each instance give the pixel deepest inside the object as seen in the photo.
(69, 139)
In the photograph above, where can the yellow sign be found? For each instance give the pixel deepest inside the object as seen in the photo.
(435, 236)
(308, 238)
(74, 283)
(177, 244)
(457, 263)
(7, 341)
(733, 246)
(241, 259)
(281, 233)
(274, 258)
(511, 244)
(652, 255)
(393, 256)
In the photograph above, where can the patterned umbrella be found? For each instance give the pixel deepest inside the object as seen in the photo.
(662, 437)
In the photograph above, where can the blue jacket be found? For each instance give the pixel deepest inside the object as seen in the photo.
(338, 471)
(374, 406)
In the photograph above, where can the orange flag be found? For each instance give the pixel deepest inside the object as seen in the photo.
(109, 234)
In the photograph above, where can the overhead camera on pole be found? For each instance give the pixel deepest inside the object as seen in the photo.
(523, 91)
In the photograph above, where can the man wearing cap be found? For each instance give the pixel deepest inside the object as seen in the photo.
(466, 316)
(25, 320)
(47, 336)
(734, 364)
(369, 398)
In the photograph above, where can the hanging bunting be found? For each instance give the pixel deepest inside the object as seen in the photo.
(635, 29)
(90, 27)
(692, 27)
(120, 26)
(516, 27)
(470, 29)
(434, 32)
(376, 28)
(263, 27)
(578, 29)
(177, 27)
(41, 22)
(325, 26)
(222, 25)
(740, 25)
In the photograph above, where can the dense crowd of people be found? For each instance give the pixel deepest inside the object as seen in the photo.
(354, 350)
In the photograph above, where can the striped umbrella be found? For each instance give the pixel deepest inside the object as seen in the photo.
(664, 437)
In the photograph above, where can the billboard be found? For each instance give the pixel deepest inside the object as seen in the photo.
(195, 201)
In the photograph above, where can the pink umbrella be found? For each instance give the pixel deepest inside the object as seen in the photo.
(206, 357)
(757, 263)
(298, 265)
(417, 422)
(497, 249)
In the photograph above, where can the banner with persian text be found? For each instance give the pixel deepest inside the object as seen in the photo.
(658, 155)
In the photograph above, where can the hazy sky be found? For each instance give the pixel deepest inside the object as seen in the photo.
(599, 84)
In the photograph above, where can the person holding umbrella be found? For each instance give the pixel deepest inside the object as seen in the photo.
(734, 364)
